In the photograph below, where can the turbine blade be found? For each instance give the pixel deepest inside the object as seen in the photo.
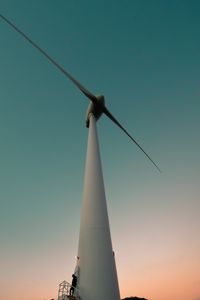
(112, 118)
(85, 91)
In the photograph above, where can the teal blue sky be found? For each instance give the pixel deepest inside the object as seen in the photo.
(144, 56)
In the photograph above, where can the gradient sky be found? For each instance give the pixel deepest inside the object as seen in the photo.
(144, 56)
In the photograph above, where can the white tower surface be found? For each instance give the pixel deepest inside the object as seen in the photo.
(97, 271)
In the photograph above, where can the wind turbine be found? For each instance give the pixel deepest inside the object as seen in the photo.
(96, 263)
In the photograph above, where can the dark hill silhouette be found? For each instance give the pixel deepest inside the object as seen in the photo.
(134, 298)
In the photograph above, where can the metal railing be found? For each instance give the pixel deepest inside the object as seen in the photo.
(66, 290)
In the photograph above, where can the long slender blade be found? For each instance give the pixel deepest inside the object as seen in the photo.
(112, 118)
(85, 91)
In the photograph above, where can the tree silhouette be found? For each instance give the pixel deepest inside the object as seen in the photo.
(134, 298)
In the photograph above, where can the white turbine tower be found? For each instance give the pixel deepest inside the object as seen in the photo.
(97, 276)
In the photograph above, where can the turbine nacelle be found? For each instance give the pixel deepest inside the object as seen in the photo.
(96, 108)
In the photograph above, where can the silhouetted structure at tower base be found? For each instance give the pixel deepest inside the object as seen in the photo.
(134, 298)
